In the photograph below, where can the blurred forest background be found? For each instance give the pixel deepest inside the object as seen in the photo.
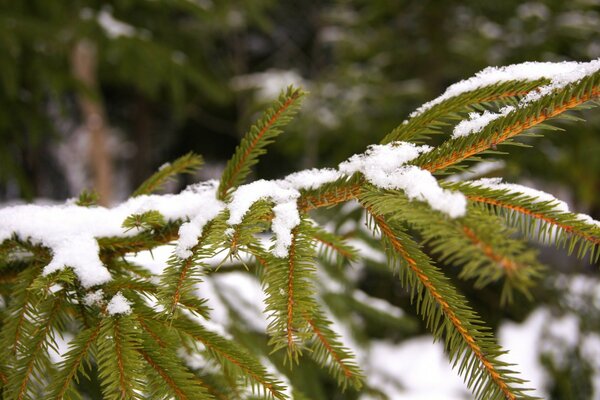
(97, 95)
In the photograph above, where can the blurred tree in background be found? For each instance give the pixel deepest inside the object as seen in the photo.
(166, 77)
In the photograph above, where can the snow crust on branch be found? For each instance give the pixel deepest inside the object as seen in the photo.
(560, 74)
(286, 215)
(539, 196)
(477, 121)
(384, 166)
(70, 231)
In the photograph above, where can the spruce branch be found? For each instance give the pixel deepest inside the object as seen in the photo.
(333, 245)
(32, 351)
(290, 293)
(469, 345)
(119, 365)
(418, 127)
(537, 220)
(77, 359)
(234, 360)
(260, 135)
(169, 379)
(514, 123)
(328, 351)
(186, 164)
(134, 344)
(478, 243)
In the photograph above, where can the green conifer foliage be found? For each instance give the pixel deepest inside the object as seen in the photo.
(133, 331)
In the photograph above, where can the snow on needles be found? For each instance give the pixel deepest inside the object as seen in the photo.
(477, 122)
(559, 74)
(71, 231)
(538, 195)
(286, 212)
(118, 305)
(384, 166)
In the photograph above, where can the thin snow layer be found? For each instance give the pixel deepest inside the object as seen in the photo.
(477, 121)
(94, 298)
(189, 232)
(560, 75)
(383, 166)
(540, 196)
(70, 231)
(312, 178)
(477, 170)
(561, 80)
(118, 305)
(286, 215)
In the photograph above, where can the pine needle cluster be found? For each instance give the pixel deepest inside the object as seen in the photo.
(133, 334)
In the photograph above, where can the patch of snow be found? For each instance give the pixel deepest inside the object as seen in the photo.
(522, 343)
(70, 231)
(383, 166)
(312, 178)
(57, 352)
(415, 369)
(94, 298)
(380, 305)
(193, 360)
(559, 73)
(540, 196)
(154, 260)
(118, 305)
(477, 121)
(286, 212)
(243, 293)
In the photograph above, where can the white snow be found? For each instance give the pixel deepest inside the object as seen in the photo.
(415, 369)
(286, 218)
(93, 298)
(118, 305)
(60, 347)
(383, 166)
(70, 231)
(243, 293)
(477, 170)
(189, 232)
(588, 220)
(312, 178)
(540, 196)
(562, 79)
(477, 121)
(559, 73)
(286, 215)
(113, 27)
(522, 343)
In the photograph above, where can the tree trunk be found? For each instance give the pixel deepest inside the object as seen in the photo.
(83, 63)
